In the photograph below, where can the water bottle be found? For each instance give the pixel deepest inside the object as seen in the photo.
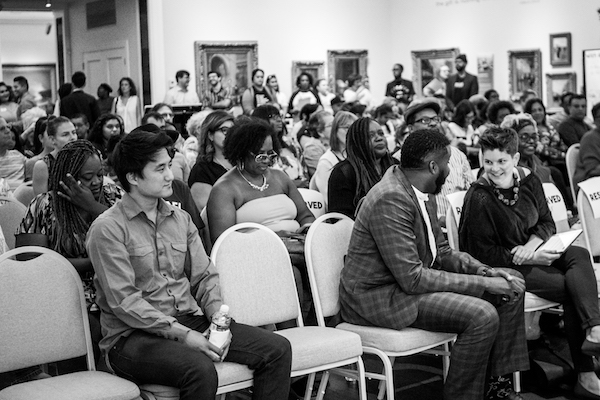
(219, 327)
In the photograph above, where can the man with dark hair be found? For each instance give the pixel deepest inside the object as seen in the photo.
(79, 102)
(153, 117)
(400, 89)
(400, 272)
(588, 162)
(217, 96)
(558, 117)
(384, 114)
(572, 129)
(82, 126)
(462, 85)
(25, 100)
(157, 289)
(179, 94)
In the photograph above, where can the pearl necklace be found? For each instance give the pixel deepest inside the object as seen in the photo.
(262, 188)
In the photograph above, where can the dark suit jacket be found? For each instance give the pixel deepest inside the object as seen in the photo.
(388, 262)
(79, 102)
(470, 88)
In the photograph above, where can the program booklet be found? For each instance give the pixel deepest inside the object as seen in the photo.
(559, 242)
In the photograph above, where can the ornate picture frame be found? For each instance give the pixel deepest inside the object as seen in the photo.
(560, 50)
(556, 85)
(343, 63)
(234, 60)
(426, 63)
(315, 68)
(524, 72)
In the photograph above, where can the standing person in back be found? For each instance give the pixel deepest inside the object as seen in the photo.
(572, 129)
(258, 93)
(25, 100)
(128, 105)
(400, 89)
(462, 85)
(79, 102)
(105, 100)
(179, 94)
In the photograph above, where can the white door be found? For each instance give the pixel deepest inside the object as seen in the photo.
(105, 66)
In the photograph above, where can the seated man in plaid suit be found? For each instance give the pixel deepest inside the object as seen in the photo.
(401, 272)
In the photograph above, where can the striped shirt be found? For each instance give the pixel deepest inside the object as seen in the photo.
(460, 178)
(211, 97)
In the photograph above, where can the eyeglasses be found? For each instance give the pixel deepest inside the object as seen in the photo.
(427, 121)
(269, 157)
(528, 137)
(276, 117)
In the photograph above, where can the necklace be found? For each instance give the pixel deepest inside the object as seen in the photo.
(515, 189)
(262, 188)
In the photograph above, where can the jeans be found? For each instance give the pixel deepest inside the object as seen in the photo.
(146, 358)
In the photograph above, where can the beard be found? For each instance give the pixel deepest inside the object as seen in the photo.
(439, 182)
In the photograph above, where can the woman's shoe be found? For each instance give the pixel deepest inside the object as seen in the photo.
(590, 348)
(582, 392)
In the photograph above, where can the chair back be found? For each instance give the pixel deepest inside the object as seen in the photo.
(11, 215)
(557, 206)
(24, 193)
(314, 201)
(589, 223)
(326, 247)
(571, 158)
(255, 274)
(453, 212)
(43, 313)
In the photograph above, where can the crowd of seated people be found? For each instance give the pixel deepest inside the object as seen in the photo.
(248, 166)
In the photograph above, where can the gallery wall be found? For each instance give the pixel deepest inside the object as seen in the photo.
(494, 27)
(286, 31)
(388, 29)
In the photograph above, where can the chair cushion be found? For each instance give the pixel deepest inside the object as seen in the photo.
(227, 372)
(314, 345)
(88, 385)
(392, 340)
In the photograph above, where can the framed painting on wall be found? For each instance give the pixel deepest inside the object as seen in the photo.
(426, 65)
(560, 50)
(41, 78)
(525, 72)
(343, 63)
(556, 85)
(233, 60)
(315, 68)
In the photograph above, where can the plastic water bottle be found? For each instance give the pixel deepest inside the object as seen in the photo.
(219, 327)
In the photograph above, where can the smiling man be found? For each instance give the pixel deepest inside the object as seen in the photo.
(400, 272)
(156, 307)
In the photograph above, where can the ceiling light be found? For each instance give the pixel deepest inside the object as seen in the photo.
(48, 4)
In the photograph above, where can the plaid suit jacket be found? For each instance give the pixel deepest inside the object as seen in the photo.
(389, 262)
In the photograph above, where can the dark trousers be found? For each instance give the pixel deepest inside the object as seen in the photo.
(491, 338)
(146, 358)
(570, 280)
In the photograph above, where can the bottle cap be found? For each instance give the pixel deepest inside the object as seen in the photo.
(224, 309)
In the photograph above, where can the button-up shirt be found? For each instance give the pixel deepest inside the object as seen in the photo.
(148, 273)
(421, 199)
(178, 95)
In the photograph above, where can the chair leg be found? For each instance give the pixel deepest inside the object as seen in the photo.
(309, 386)
(362, 381)
(388, 385)
(323, 385)
(517, 381)
(446, 361)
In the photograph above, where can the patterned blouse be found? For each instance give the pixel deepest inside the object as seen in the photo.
(40, 218)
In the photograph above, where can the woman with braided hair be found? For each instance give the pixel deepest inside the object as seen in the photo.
(366, 162)
(76, 196)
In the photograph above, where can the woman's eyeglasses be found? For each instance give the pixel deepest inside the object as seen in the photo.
(269, 157)
(528, 137)
(223, 130)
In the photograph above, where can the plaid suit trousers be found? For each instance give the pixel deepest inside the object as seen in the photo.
(487, 335)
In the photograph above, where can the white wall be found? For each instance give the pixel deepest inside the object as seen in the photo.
(494, 26)
(23, 38)
(82, 40)
(286, 31)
